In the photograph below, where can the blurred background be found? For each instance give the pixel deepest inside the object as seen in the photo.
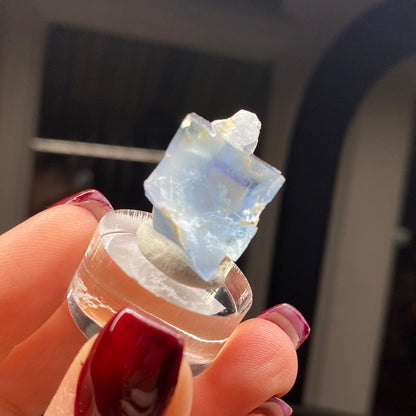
(91, 92)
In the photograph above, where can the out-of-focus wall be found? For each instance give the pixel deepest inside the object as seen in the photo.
(22, 32)
(360, 247)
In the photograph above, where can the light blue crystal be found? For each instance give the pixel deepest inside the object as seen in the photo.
(208, 191)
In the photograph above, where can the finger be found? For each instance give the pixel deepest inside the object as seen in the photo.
(39, 258)
(258, 361)
(31, 373)
(37, 261)
(134, 363)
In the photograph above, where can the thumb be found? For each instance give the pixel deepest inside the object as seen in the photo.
(133, 367)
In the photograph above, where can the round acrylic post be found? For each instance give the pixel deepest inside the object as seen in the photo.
(114, 274)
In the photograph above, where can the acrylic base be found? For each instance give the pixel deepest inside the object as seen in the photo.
(114, 274)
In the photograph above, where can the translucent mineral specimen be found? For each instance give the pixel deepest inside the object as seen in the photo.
(209, 190)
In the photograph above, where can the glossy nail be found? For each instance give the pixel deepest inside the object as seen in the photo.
(276, 407)
(132, 368)
(90, 199)
(273, 407)
(290, 320)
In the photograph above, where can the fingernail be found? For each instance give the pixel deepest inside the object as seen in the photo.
(290, 320)
(276, 402)
(90, 199)
(274, 407)
(132, 368)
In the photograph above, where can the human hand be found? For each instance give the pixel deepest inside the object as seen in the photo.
(39, 340)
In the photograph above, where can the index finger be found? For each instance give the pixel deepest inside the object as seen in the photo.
(37, 261)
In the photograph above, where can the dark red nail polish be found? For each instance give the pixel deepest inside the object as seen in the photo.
(132, 368)
(290, 320)
(90, 199)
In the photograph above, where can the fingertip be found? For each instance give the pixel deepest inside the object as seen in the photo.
(264, 352)
(257, 362)
(290, 320)
(134, 364)
(91, 200)
(62, 403)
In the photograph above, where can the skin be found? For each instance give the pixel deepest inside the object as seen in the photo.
(42, 351)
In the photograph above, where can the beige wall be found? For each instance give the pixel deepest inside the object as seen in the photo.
(360, 248)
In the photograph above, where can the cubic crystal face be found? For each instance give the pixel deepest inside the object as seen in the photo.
(209, 190)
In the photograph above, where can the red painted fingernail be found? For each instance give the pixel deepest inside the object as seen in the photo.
(90, 199)
(290, 320)
(132, 368)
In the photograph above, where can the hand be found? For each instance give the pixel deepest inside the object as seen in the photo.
(41, 348)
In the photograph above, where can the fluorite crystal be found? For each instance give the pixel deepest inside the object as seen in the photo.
(209, 189)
